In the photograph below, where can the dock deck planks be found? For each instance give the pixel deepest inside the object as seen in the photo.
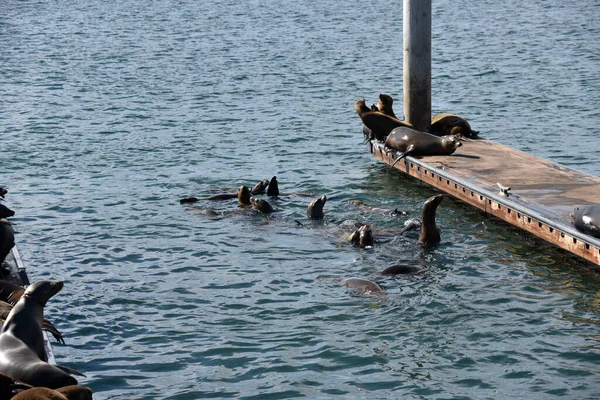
(542, 195)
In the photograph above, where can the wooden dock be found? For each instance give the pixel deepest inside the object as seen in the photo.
(542, 195)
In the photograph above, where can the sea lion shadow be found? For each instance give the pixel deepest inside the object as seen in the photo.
(466, 156)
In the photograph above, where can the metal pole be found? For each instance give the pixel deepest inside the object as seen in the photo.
(417, 63)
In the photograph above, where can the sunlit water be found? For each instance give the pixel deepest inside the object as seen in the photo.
(110, 112)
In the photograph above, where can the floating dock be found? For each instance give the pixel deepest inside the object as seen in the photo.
(542, 196)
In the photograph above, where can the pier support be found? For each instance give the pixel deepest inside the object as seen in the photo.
(417, 63)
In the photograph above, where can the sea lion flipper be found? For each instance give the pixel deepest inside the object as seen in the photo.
(408, 151)
(68, 370)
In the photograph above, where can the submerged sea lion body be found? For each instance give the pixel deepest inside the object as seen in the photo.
(363, 286)
(379, 125)
(377, 210)
(411, 142)
(586, 219)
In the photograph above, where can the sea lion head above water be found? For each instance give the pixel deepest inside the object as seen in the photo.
(362, 237)
(244, 195)
(315, 208)
(261, 205)
(430, 234)
(260, 187)
(5, 212)
(273, 189)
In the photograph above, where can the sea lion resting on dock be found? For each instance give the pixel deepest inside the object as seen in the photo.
(379, 125)
(586, 219)
(7, 239)
(450, 124)
(22, 353)
(411, 142)
(72, 392)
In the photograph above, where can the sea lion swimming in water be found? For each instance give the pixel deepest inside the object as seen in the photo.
(376, 210)
(315, 208)
(362, 237)
(379, 125)
(261, 205)
(3, 192)
(430, 234)
(7, 239)
(22, 353)
(273, 190)
(364, 286)
(259, 188)
(5, 212)
(414, 143)
(586, 219)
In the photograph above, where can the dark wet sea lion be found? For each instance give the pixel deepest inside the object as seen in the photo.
(22, 353)
(399, 269)
(362, 237)
(9, 386)
(3, 192)
(586, 219)
(244, 195)
(261, 205)
(450, 124)
(315, 208)
(379, 125)
(385, 105)
(430, 234)
(10, 292)
(7, 239)
(5, 212)
(363, 285)
(6, 308)
(410, 142)
(260, 187)
(273, 189)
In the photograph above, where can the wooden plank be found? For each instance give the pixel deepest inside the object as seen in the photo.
(542, 195)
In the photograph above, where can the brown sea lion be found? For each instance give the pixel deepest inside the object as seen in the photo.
(76, 392)
(385, 105)
(430, 234)
(261, 205)
(315, 208)
(22, 354)
(10, 292)
(5, 212)
(244, 195)
(364, 286)
(379, 125)
(450, 124)
(362, 237)
(259, 188)
(6, 308)
(586, 219)
(40, 393)
(411, 142)
(7, 239)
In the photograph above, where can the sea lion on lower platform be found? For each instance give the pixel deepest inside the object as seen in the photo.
(379, 124)
(586, 219)
(362, 237)
(5, 212)
(22, 353)
(385, 105)
(7, 239)
(364, 286)
(315, 208)
(72, 392)
(450, 124)
(411, 142)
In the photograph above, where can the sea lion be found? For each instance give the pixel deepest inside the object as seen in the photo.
(363, 285)
(586, 219)
(430, 234)
(5, 212)
(377, 210)
(411, 142)
(22, 354)
(315, 208)
(3, 192)
(273, 190)
(8, 386)
(6, 308)
(450, 124)
(385, 105)
(379, 125)
(72, 392)
(259, 188)
(399, 269)
(10, 292)
(244, 195)
(7, 239)
(261, 205)
(362, 237)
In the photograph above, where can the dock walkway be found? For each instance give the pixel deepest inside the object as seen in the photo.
(542, 195)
